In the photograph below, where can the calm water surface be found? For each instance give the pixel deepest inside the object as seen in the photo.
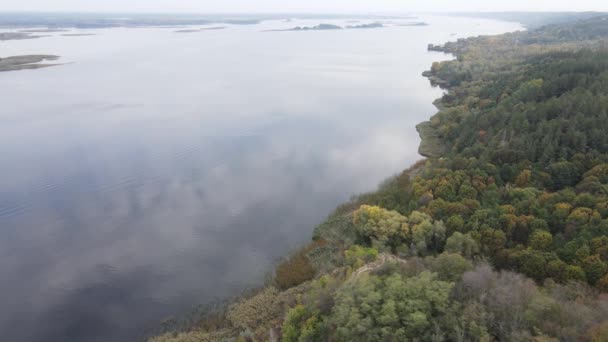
(159, 170)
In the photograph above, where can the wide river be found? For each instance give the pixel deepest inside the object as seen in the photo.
(158, 170)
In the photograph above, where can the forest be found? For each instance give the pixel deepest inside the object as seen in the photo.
(500, 234)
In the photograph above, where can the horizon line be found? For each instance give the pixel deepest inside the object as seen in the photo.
(401, 12)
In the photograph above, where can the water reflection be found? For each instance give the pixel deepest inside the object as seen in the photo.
(161, 170)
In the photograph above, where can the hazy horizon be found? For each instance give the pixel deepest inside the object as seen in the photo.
(159, 12)
(309, 7)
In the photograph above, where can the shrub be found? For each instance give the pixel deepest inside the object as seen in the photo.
(250, 313)
(301, 325)
(357, 256)
(294, 271)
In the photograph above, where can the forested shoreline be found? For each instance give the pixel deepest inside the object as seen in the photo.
(501, 234)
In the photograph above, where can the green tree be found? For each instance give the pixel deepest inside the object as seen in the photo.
(450, 266)
(463, 244)
(594, 268)
(387, 227)
(492, 240)
(454, 224)
(574, 273)
(541, 240)
(390, 308)
(564, 174)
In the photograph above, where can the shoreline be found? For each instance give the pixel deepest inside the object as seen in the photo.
(26, 62)
(428, 149)
(489, 209)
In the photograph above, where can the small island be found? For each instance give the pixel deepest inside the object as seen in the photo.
(26, 62)
(200, 29)
(213, 28)
(366, 26)
(30, 34)
(17, 36)
(187, 31)
(414, 24)
(320, 27)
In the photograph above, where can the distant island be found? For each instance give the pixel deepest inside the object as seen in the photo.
(26, 62)
(29, 34)
(366, 26)
(213, 28)
(320, 27)
(187, 31)
(107, 20)
(200, 29)
(50, 22)
(323, 27)
(17, 36)
(414, 24)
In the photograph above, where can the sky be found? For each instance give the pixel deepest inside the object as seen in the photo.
(308, 6)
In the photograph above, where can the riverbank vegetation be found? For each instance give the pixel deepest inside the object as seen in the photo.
(501, 235)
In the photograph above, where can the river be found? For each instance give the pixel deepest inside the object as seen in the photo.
(156, 170)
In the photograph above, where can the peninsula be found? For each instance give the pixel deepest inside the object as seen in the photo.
(26, 62)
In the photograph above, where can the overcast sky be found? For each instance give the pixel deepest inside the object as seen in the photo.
(335, 6)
